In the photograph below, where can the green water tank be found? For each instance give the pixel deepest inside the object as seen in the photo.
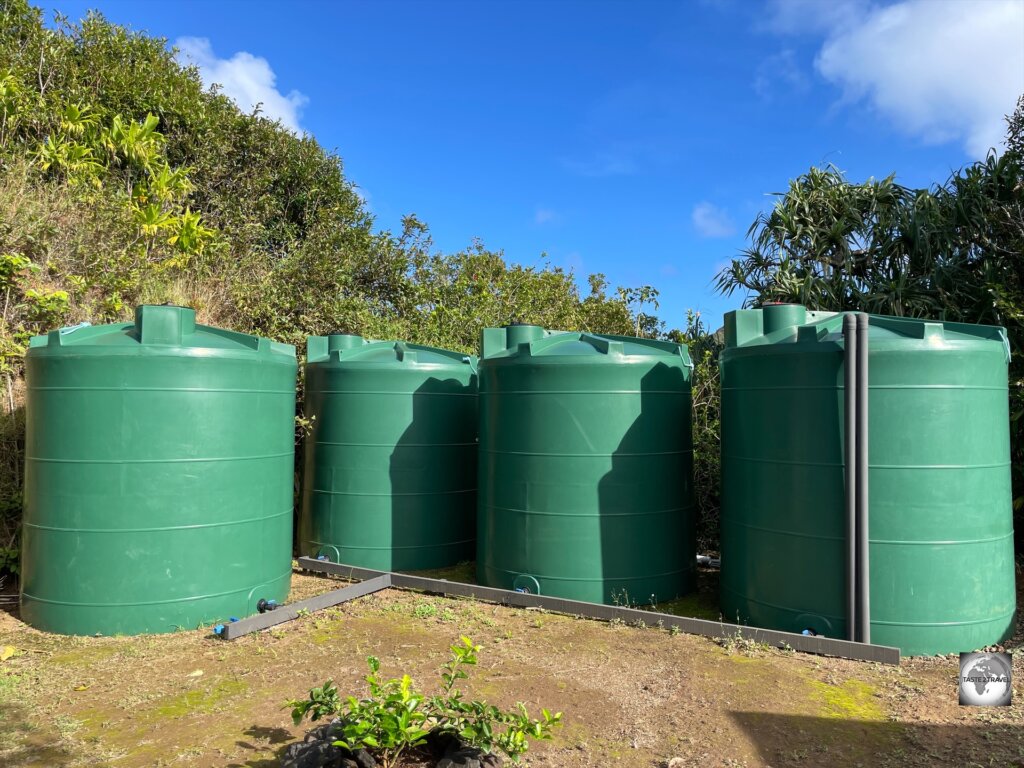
(158, 475)
(586, 476)
(390, 465)
(940, 516)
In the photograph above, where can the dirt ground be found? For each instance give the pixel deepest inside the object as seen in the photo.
(630, 696)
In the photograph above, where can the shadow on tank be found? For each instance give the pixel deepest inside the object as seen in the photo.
(783, 484)
(648, 549)
(433, 478)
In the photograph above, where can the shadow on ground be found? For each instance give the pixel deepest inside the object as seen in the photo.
(268, 738)
(23, 744)
(796, 740)
(9, 596)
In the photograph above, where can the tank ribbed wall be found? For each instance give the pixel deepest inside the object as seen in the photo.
(390, 464)
(158, 475)
(940, 515)
(585, 466)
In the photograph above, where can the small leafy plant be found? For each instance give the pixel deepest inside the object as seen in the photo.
(395, 718)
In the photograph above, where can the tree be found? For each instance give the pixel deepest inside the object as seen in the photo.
(124, 181)
(954, 252)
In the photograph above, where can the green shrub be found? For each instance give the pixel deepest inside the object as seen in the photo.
(395, 718)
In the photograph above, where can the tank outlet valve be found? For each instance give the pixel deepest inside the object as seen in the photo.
(218, 629)
(265, 605)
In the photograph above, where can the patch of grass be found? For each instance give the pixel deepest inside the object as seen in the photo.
(427, 609)
(66, 726)
(200, 700)
(464, 573)
(424, 610)
(700, 604)
(9, 683)
(746, 646)
(86, 655)
(189, 752)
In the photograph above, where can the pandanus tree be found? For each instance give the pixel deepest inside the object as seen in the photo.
(954, 252)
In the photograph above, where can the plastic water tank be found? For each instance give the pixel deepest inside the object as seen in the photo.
(940, 512)
(390, 466)
(586, 481)
(158, 475)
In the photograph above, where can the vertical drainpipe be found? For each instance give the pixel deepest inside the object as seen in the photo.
(863, 561)
(850, 466)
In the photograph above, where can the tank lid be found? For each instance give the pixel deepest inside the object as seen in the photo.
(322, 348)
(501, 342)
(156, 326)
(774, 324)
(345, 341)
(778, 315)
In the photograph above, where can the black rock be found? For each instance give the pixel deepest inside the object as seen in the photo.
(452, 752)
(469, 757)
(311, 753)
(449, 762)
(316, 750)
(440, 742)
(320, 733)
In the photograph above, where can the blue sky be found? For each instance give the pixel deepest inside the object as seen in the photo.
(637, 139)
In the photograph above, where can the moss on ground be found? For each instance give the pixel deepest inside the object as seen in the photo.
(200, 700)
(850, 700)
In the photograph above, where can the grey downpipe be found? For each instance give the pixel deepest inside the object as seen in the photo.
(850, 466)
(863, 541)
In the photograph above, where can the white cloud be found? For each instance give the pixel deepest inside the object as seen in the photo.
(794, 17)
(779, 73)
(603, 164)
(941, 71)
(711, 221)
(248, 80)
(545, 216)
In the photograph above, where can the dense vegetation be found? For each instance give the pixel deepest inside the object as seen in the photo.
(123, 181)
(953, 252)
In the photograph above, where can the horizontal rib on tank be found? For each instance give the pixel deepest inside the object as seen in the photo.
(158, 477)
(585, 466)
(390, 469)
(941, 549)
